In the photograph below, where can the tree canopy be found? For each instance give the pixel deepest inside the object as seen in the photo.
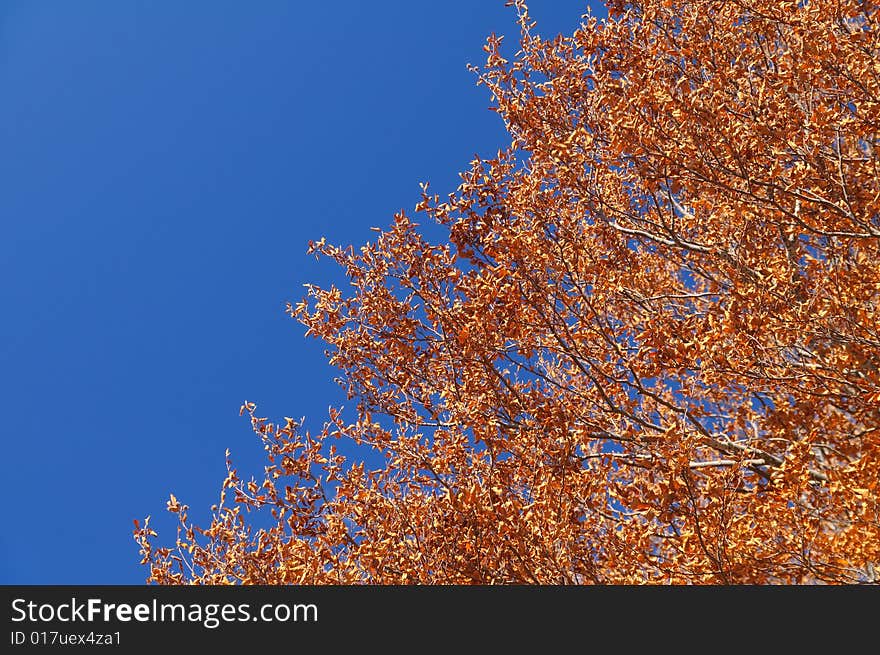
(648, 350)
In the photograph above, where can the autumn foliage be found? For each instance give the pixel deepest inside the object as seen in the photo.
(648, 350)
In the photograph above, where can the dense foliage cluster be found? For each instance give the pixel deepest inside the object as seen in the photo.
(648, 351)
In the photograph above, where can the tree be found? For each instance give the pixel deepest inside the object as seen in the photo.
(649, 351)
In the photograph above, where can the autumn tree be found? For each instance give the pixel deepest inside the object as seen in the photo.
(648, 351)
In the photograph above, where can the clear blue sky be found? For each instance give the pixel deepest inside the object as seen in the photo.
(162, 168)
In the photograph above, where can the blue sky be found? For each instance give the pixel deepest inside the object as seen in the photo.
(163, 168)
